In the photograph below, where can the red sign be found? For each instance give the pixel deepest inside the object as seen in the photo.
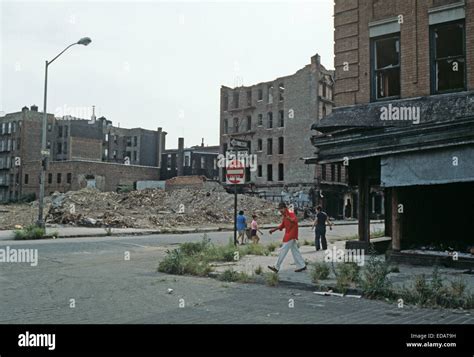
(235, 172)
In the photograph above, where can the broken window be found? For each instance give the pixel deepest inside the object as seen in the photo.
(269, 120)
(386, 67)
(225, 102)
(281, 145)
(50, 178)
(281, 91)
(236, 125)
(259, 171)
(236, 99)
(249, 98)
(448, 64)
(260, 120)
(270, 146)
(281, 176)
(270, 94)
(226, 126)
(249, 122)
(281, 118)
(260, 95)
(269, 173)
(259, 145)
(27, 178)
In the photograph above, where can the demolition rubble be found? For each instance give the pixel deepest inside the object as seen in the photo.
(150, 208)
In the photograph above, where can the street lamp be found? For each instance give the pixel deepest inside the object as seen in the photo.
(44, 152)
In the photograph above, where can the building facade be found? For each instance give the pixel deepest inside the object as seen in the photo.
(271, 118)
(404, 116)
(197, 160)
(78, 146)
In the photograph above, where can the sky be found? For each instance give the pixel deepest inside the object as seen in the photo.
(154, 63)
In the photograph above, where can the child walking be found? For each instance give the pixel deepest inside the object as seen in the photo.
(254, 229)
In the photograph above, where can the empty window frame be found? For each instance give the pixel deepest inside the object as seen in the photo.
(281, 176)
(249, 122)
(269, 173)
(249, 98)
(225, 102)
(269, 120)
(448, 57)
(236, 125)
(270, 146)
(236, 99)
(281, 145)
(270, 95)
(259, 171)
(58, 178)
(27, 178)
(259, 145)
(50, 178)
(281, 118)
(260, 95)
(385, 67)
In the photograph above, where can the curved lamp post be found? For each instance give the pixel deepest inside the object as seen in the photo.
(44, 152)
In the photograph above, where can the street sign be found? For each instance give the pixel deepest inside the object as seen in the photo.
(238, 143)
(235, 173)
(45, 152)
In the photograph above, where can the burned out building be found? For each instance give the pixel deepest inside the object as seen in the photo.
(404, 116)
(271, 119)
(79, 150)
(199, 160)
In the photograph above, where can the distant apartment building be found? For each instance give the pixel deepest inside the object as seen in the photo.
(197, 160)
(273, 119)
(79, 151)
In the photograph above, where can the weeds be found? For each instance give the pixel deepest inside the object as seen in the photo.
(347, 275)
(319, 271)
(30, 232)
(259, 270)
(375, 282)
(271, 279)
(230, 275)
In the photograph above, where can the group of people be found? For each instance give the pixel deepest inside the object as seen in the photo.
(290, 225)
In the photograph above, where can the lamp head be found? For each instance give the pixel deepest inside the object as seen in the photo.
(84, 41)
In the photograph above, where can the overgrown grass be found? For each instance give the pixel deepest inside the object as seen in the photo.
(374, 281)
(271, 279)
(194, 258)
(319, 271)
(259, 270)
(347, 276)
(30, 232)
(230, 275)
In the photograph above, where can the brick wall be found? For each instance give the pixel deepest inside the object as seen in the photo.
(352, 45)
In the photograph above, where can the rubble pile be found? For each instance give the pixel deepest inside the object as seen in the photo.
(154, 208)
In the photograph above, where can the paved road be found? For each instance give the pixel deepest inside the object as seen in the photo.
(88, 280)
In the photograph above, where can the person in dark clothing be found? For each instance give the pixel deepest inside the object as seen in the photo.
(320, 223)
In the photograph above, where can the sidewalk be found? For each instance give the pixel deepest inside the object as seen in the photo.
(82, 232)
(287, 276)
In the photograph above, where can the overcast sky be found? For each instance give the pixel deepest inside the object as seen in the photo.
(155, 63)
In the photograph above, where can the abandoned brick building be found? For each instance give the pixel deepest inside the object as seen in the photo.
(404, 116)
(82, 153)
(271, 118)
(197, 160)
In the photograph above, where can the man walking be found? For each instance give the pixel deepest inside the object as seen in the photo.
(320, 233)
(290, 240)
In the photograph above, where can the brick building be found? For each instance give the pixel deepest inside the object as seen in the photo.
(78, 148)
(272, 118)
(404, 114)
(197, 160)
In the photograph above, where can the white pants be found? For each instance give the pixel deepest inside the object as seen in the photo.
(297, 257)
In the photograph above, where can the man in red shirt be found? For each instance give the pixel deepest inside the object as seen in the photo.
(290, 240)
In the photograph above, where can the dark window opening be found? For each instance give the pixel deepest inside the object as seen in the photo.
(259, 145)
(249, 122)
(50, 178)
(281, 145)
(269, 173)
(323, 172)
(386, 67)
(27, 178)
(225, 102)
(281, 118)
(448, 57)
(259, 171)
(260, 94)
(58, 178)
(270, 146)
(249, 98)
(260, 120)
(270, 120)
(281, 176)
(236, 100)
(236, 125)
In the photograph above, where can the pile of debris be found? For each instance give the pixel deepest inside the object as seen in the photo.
(153, 208)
